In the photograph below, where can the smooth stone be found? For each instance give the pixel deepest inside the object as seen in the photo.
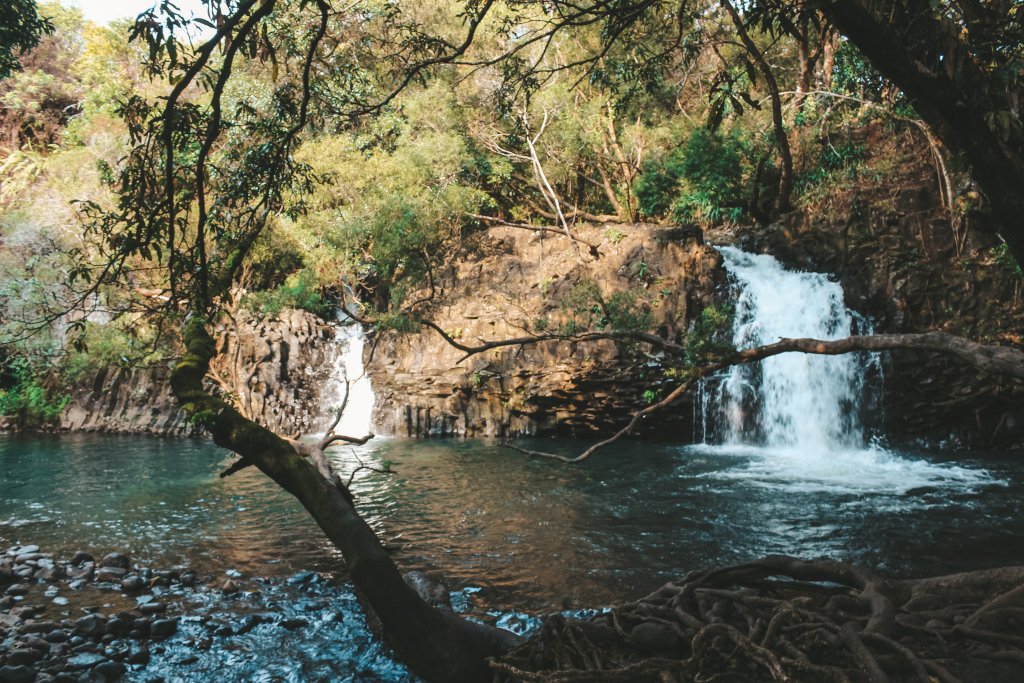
(60, 600)
(229, 586)
(17, 589)
(139, 656)
(84, 573)
(118, 627)
(161, 628)
(57, 636)
(153, 608)
(111, 574)
(36, 643)
(26, 549)
(52, 573)
(110, 671)
(28, 557)
(77, 585)
(17, 674)
(132, 584)
(81, 557)
(85, 660)
(119, 560)
(91, 625)
(188, 578)
(39, 627)
(22, 656)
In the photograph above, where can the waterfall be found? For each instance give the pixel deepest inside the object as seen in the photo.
(348, 366)
(794, 400)
(795, 421)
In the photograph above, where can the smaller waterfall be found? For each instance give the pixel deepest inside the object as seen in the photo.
(357, 419)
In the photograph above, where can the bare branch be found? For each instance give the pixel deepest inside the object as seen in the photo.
(1004, 360)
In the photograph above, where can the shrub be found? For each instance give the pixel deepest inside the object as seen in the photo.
(25, 395)
(701, 182)
(299, 290)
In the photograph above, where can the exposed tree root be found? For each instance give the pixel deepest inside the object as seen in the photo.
(785, 619)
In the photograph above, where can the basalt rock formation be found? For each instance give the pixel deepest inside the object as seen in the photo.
(513, 282)
(272, 367)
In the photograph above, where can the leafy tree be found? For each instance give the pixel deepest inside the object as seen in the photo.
(21, 27)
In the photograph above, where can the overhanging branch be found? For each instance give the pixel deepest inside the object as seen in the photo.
(1003, 360)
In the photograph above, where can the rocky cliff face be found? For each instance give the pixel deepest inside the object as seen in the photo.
(272, 368)
(516, 282)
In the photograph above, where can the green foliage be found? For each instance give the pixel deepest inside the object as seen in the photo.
(105, 346)
(627, 311)
(299, 290)
(710, 337)
(397, 321)
(842, 162)
(21, 27)
(1004, 258)
(24, 395)
(614, 235)
(700, 182)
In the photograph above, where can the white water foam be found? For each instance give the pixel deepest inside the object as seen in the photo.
(796, 419)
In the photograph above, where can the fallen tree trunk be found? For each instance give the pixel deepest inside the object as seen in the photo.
(436, 645)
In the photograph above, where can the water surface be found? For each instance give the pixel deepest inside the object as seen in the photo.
(532, 535)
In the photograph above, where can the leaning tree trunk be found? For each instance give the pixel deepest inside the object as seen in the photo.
(436, 645)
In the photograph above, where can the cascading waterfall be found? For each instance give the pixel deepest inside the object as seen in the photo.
(797, 420)
(348, 366)
(800, 401)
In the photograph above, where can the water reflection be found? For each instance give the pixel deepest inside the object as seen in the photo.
(532, 535)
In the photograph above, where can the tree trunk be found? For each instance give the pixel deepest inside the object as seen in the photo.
(961, 119)
(778, 124)
(436, 645)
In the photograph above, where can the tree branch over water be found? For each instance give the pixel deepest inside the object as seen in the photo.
(1004, 360)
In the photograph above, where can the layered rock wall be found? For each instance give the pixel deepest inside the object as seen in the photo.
(272, 368)
(517, 283)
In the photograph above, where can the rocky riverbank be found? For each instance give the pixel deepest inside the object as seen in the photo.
(83, 619)
(88, 620)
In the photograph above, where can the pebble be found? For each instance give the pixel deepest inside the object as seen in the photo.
(91, 625)
(161, 628)
(132, 583)
(110, 671)
(118, 560)
(22, 656)
(81, 557)
(17, 674)
(111, 574)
